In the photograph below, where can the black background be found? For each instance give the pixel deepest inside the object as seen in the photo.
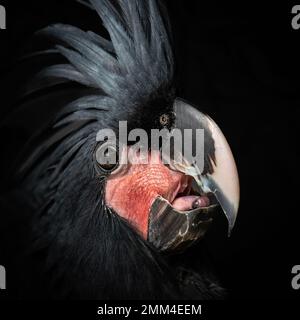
(240, 64)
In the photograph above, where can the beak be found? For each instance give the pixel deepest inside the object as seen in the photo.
(219, 173)
(223, 181)
(214, 173)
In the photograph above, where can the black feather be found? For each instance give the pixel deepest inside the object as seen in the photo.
(81, 248)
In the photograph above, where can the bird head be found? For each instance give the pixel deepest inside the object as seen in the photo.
(100, 152)
(169, 183)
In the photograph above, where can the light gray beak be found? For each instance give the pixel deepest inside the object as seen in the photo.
(219, 173)
(170, 229)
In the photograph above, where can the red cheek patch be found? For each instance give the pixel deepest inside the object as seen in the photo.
(132, 194)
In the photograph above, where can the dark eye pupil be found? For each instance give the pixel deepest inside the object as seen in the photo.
(164, 119)
(108, 166)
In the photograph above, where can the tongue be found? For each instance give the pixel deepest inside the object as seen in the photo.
(190, 202)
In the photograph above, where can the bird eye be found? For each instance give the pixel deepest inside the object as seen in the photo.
(107, 157)
(164, 119)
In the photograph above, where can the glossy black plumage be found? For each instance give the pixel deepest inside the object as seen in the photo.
(75, 246)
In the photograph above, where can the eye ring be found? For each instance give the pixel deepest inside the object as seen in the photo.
(164, 119)
(107, 158)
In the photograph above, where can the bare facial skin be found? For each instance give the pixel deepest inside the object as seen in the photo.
(132, 190)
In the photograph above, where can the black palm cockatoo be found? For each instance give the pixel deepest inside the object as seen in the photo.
(108, 229)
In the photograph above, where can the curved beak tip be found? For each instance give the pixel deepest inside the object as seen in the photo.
(224, 180)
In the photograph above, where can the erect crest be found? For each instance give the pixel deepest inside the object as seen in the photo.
(131, 66)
